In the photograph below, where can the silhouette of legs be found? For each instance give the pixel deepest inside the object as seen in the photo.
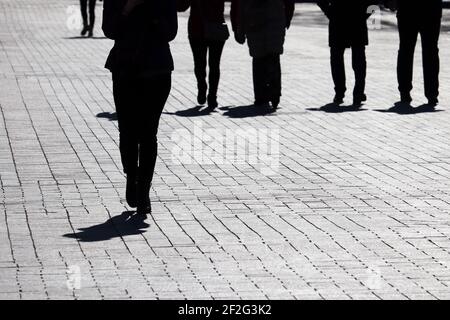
(409, 32)
(215, 55)
(88, 26)
(200, 49)
(429, 30)
(338, 72)
(359, 64)
(429, 33)
(139, 103)
(267, 80)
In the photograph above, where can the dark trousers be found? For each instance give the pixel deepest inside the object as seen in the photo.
(84, 12)
(359, 65)
(267, 78)
(139, 104)
(207, 52)
(429, 30)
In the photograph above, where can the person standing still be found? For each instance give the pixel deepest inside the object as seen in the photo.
(263, 24)
(141, 64)
(414, 18)
(208, 32)
(88, 23)
(348, 29)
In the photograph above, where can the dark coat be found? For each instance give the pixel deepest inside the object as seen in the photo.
(141, 39)
(263, 23)
(348, 21)
(419, 9)
(202, 11)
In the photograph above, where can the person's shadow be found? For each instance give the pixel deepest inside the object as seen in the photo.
(249, 111)
(125, 224)
(198, 111)
(112, 116)
(336, 108)
(407, 109)
(84, 38)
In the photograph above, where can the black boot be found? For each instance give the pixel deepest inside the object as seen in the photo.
(144, 206)
(212, 102)
(84, 30)
(405, 98)
(339, 98)
(201, 96)
(131, 192)
(91, 32)
(358, 100)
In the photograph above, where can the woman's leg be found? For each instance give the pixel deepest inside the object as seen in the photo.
(124, 97)
(91, 17)
(153, 96)
(215, 55)
(83, 9)
(199, 51)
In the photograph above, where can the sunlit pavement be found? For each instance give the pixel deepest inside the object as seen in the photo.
(342, 205)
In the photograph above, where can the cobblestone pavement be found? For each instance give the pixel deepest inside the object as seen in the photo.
(357, 209)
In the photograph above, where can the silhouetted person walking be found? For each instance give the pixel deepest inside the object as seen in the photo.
(414, 18)
(263, 23)
(88, 23)
(141, 64)
(348, 29)
(208, 33)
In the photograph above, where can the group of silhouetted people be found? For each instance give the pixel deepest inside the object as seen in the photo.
(141, 61)
(348, 29)
(262, 23)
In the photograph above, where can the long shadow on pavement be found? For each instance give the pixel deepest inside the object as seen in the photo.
(247, 111)
(407, 109)
(334, 108)
(125, 224)
(112, 116)
(86, 38)
(197, 111)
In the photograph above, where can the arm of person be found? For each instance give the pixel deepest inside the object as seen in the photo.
(325, 6)
(172, 19)
(236, 21)
(289, 6)
(183, 5)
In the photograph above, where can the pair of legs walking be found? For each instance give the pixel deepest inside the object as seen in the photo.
(359, 65)
(139, 103)
(429, 30)
(88, 24)
(207, 52)
(267, 80)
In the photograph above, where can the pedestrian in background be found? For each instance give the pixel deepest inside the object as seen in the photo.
(348, 29)
(141, 64)
(88, 23)
(263, 24)
(414, 18)
(207, 32)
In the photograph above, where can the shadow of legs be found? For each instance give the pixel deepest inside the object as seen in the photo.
(122, 225)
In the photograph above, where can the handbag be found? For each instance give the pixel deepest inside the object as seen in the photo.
(214, 31)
